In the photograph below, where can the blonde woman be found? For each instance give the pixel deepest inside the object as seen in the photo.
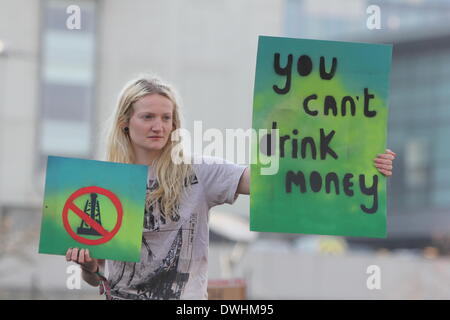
(174, 257)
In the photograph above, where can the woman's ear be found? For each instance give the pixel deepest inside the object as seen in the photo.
(124, 127)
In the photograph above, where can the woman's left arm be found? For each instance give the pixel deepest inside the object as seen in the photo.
(244, 182)
(383, 162)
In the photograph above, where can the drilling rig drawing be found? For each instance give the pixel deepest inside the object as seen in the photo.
(92, 209)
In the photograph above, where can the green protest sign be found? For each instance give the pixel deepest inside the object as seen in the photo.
(324, 105)
(93, 204)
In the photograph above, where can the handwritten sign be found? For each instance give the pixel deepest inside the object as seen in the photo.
(325, 104)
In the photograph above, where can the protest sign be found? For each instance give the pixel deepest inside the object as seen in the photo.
(325, 104)
(95, 205)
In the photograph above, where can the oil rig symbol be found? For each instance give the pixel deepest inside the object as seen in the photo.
(91, 208)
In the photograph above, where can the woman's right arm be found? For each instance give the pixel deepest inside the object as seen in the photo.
(88, 265)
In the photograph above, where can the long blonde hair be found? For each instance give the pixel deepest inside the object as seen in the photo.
(171, 178)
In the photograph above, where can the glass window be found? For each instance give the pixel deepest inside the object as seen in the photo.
(441, 198)
(419, 127)
(442, 146)
(67, 80)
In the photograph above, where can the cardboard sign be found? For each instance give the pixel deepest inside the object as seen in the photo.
(325, 105)
(96, 205)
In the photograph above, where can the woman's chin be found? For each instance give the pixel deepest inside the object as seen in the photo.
(154, 147)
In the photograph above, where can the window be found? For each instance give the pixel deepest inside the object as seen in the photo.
(419, 126)
(66, 77)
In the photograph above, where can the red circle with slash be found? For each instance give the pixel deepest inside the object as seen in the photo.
(106, 235)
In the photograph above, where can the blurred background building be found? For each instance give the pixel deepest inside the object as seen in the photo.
(58, 87)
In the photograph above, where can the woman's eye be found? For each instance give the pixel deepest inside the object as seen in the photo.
(149, 117)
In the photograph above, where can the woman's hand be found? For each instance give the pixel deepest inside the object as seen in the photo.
(82, 257)
(383, 162)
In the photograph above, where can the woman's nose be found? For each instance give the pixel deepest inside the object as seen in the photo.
(157, 125)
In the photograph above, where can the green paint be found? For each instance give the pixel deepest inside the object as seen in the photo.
(356, 141)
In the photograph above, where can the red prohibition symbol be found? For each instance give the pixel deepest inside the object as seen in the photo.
(106, 235)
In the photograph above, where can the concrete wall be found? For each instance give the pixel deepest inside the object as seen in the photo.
(19, 29)
(283, 273)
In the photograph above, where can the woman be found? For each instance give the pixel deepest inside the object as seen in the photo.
(174, 256)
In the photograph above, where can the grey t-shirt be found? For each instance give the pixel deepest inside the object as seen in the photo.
(174, 254)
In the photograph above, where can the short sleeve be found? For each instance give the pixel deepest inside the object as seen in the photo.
(220, 179)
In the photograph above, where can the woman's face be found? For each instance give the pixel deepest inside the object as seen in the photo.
(151, 122)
